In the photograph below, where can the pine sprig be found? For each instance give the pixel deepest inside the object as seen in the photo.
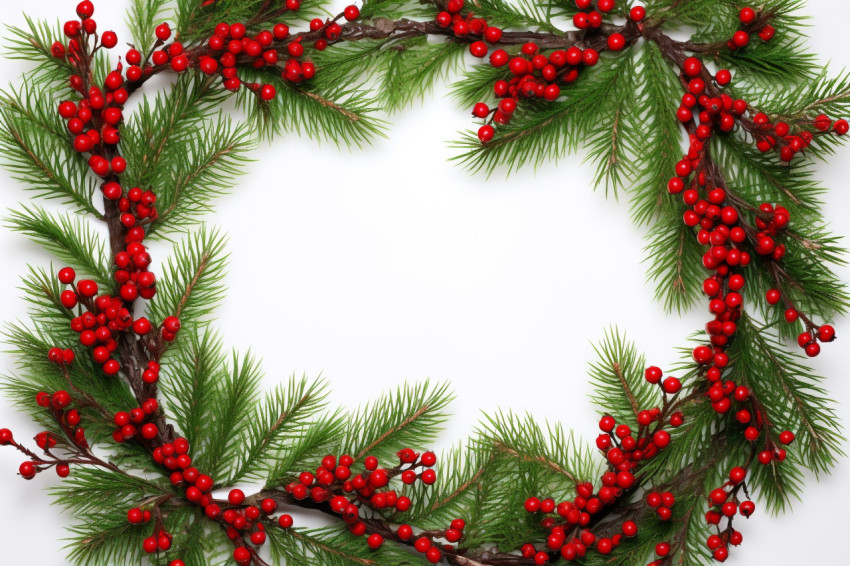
(325, 111)
(519, 13)
(303, 450)
(192, 381)
(674, 261)
(541, 132)
(412, 414)
(413, 69)
(159, 136)
(617, 134)
(562, 459)
(286, 412)
(142, 17)
(37, 152)
(32, 44)
(619, 387)
(661, 148)
(71, 239)
(238, 391)
(793, 396)
(192, 284)
(333, 547)
(209, 165)
(396, 9)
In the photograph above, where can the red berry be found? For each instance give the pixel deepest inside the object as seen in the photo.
(590, 57)
(671, 385)
(616, 42)
(485, 134)
(375, 541)
(236, 497)
(723, 77)
(747, 15)
(826, 333)
(351, 13)
(268, 92)
(638, 13)
(478, 49)
(812, 349)
(741, 38)
(163, 32)
(109, 39)
(27, 470)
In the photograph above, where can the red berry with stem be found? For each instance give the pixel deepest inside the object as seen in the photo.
(671, 385)
(616, 42)
(163, 31)
(109, 39)
(268, 92)
(351, 13)
(27, 470)
(826, 333)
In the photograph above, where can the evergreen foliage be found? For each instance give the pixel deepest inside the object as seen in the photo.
(180, 144)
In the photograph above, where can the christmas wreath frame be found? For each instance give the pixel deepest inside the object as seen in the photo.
(140, 387)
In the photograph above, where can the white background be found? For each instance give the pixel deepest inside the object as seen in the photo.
(388, 264)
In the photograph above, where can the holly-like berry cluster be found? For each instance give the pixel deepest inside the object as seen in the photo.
(724, 502)
(704, 112)
(533, 74)
(750, 23)
(364, 499)
(568, 522)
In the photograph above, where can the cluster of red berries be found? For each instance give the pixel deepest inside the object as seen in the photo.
(779, 137)
(68, 419)
(129, 423)
(709, 112)
(230, 41)
(244, 521)
(105, 316)
(741, 38)
(809, 339)
(624, 452)
(578, 512)
(159, 541)
(93, 120)
(589, 18)
(662, 503)
(425, 544)
(723, 502)
(532, 73)
(774, 220)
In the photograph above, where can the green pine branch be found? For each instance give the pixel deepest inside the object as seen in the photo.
(191, 284)
(619, 387)
(413, 415)
(72, 239)
(37, 151)
(288, 411)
